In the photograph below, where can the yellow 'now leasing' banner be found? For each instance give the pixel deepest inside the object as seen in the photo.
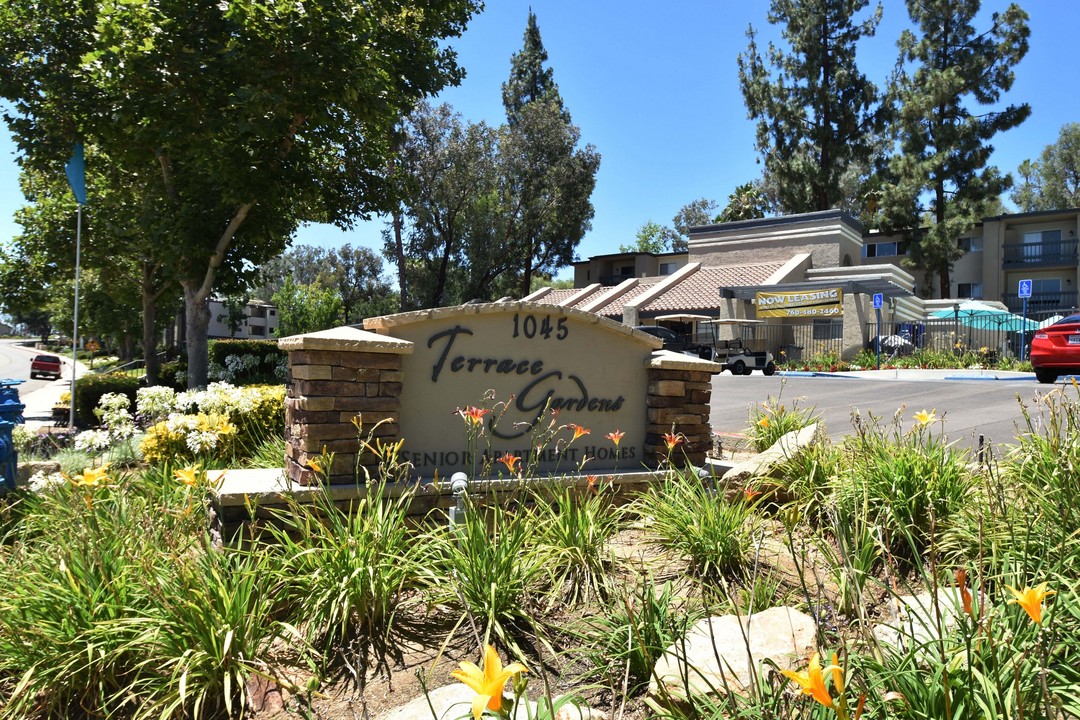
(811, 303)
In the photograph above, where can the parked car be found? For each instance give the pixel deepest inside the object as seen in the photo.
(45, 366)
(1055, 349)
(672, 340)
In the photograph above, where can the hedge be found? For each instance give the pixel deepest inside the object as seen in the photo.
(247, 362)
(90, 388)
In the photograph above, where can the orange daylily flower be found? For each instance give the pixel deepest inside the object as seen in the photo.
(592, 482)
(1031, 599)
(510, 461)
(671, 440)
(578, 431)
(474, 414)
(615, 436)
(763, 422)
(812, 680)
(315, 465)
(489, 682)
(965, 594)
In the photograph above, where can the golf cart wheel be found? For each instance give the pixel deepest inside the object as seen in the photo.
(770, 369)
(1045, 376)
(738, 368)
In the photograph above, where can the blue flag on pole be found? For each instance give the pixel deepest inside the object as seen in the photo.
(76, 173)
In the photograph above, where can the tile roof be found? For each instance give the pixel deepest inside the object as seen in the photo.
(614, 309)
(699, 291)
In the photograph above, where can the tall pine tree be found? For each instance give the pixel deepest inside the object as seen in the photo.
(546, 179)
(941, 183)
(816, 113)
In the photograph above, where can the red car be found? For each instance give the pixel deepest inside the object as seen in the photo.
(1055, 349)
(46, 365)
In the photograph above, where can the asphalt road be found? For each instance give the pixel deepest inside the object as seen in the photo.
(15, 363)
(970, 407)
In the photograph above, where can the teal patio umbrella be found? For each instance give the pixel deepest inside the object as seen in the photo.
(974, 314)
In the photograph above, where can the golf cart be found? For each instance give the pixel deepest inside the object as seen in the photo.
(742, 353)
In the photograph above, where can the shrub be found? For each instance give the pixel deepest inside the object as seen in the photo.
(247, 362)
(173, 374)
(698, 522)
(771, 420)
(89, 390)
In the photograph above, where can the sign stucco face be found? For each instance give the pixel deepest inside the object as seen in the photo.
(594, 376)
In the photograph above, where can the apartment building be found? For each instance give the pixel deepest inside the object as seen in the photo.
(260, 321)
(729, 269)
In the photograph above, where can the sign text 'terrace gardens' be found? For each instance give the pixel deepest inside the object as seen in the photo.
(521, 365)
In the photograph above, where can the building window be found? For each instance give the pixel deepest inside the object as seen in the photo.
(1046, 286)
(626, 271)
(668, 268)
(828, 329)
(970, 244)
(257, 330)
(272, 313)
(884, 249)
(257, 311)
(969, 290)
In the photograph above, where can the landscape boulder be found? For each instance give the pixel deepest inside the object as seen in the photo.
(454, 701)
(763, 465)
(722, 654)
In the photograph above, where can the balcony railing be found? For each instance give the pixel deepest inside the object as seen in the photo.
(1039, 254)
(1040, 302)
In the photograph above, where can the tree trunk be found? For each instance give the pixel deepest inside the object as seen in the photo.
(197, 325)
(149, 331)
(399, 250)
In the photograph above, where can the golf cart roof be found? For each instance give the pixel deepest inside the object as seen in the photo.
(683, 317)
(736, 321)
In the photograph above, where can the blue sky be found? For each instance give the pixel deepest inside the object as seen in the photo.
(656, 91)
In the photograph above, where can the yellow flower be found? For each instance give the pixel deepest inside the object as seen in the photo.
(812, 681)
(925, 418)
(315, 465)
(763, 422)
(489, 682)
(1031, 599)
(92, 477)
(837, 675)
(189, 475)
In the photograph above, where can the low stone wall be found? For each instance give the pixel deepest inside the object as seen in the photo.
(344, 385)
(680, 389)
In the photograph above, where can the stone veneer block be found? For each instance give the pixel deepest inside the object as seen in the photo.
(680, 388)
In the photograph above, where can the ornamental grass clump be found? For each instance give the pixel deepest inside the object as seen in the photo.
(573, 530)
(697, 522)
(488, 567)
(344, 573)
(772, 419)
(909, 483)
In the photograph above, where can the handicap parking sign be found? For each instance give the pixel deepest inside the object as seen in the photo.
(879, 301)
(1025, 289)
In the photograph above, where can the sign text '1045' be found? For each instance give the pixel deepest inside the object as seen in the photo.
(531, 327)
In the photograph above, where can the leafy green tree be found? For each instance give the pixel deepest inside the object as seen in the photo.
(305, 308)
(1053, 181)
(234, 316)
(651, 238)
(546, 180)
(747, 202)
(693, 214)
(249, 118)
(816, 113)
(451, 239)
(940, 174)
(26, 279)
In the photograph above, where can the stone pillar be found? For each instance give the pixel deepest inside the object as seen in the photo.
(342, 384)
(679, 393)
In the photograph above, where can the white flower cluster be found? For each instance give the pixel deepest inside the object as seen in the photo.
(22, 437)
(219, 398)
(155, 403)
(41, 481)
(117, 424)
(93, 441)
(201, 441)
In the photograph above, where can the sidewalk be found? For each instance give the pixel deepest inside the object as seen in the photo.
(916, 374)
(39, 403)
